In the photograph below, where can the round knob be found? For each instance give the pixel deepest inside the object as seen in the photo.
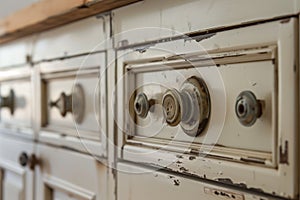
(23, 159)
(172, 104)
(8, 102)
(141, 105)
(30, 161)
(247, 108)
(190, 106)
(196, 106)
(73, 103)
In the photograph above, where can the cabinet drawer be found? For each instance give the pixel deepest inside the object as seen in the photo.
(72, 110)
(60, 176)
(17, 182)
(134, 182)
(82, 37)
(128, 20)
(222, 103)
(17, 99)
(72, 103)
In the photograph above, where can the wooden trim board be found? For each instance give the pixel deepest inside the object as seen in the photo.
(47, 14)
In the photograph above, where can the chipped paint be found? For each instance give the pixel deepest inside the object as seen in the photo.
(283, 153)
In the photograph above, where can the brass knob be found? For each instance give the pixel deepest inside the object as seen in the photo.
(247, 108)
(73, 103)
(189, 107)
(8, 102)
(30, 161)
(172, 105)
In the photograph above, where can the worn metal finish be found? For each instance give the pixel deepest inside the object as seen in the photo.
(248, 108)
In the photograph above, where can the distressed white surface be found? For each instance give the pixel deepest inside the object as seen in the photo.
(80, 37)
(175, 17)
(138, 183)
(77, 175)
(278, 33)
(17, 182)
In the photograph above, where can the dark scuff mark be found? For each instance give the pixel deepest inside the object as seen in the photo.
(178, 162)
(202, 37)
(179, 156)
(171, 177)
(183, 169)
(283, 153)
(225, 180)
(143, 49)
(176, 182)
(285, 20)
(192, 158)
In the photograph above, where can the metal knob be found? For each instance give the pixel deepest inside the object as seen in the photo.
(142, 105)
(247, 108)
(172, 104)
(63, 103)
(30, 161)
(73, 103)
(189, 107)
(8, 102)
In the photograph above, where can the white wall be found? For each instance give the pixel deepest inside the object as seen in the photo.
(9, 6)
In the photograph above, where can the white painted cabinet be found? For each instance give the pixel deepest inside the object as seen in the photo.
(17, 182)
(67, 175)
(137, 183)
(185, 106)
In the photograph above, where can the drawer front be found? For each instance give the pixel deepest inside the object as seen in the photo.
(17, 103)
(81, 95)
(61, 175)
(17, 182)
(16, 53)
(134, 182)
(161, 19)
(212, 106)
(82, 37)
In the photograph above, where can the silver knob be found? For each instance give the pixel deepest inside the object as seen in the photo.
(190, 106)
(141, 105)
(247, 108)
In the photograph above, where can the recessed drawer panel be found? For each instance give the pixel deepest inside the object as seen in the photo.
(71, 103)
(205, 105)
